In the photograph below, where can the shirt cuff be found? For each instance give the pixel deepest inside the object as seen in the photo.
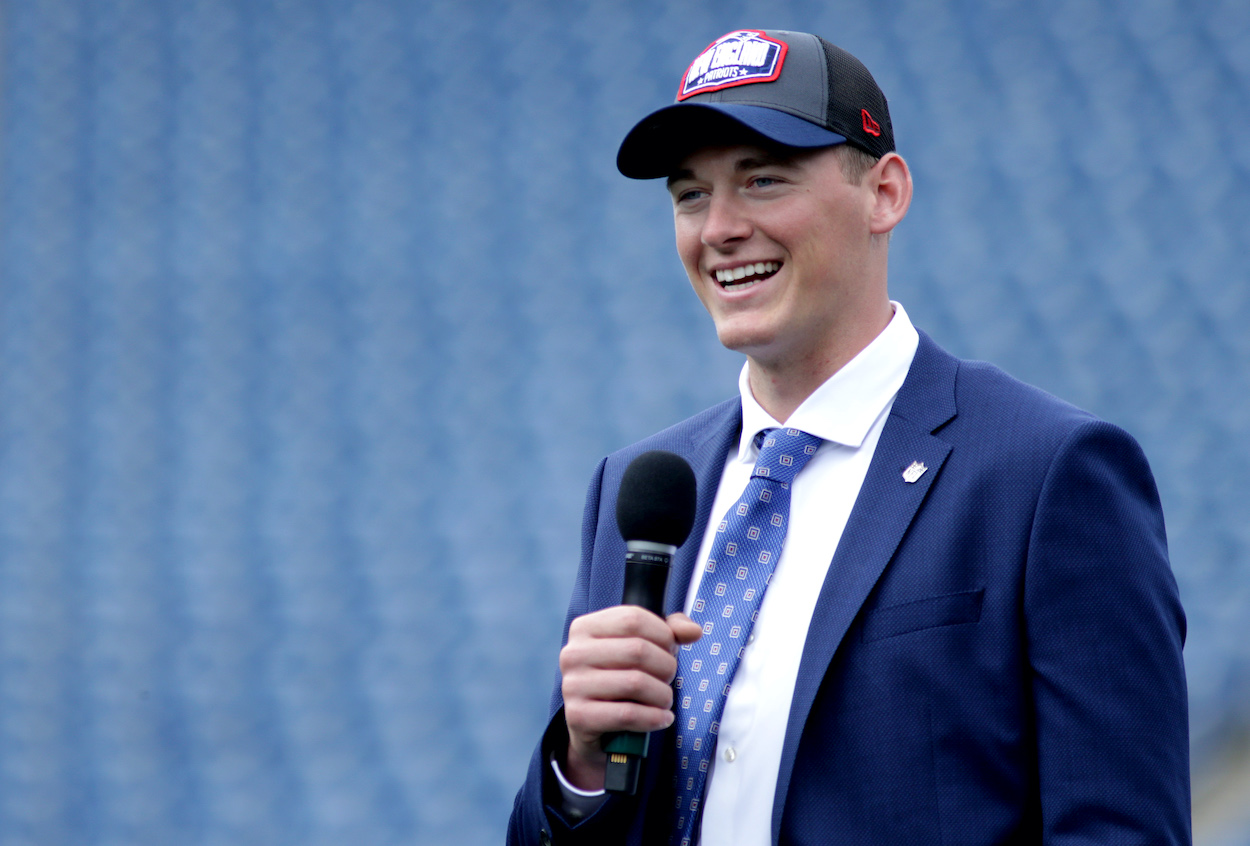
(576, 803)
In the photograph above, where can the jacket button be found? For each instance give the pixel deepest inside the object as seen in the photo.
(545, 838)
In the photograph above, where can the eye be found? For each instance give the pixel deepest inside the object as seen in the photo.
(764, 181)
(689, 195)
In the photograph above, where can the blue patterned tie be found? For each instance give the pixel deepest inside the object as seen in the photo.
(739, 567)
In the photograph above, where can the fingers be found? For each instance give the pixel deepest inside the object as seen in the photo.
(623, 621)
(617, 668)
(619, 643)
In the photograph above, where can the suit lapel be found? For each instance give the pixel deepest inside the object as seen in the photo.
(886, 506)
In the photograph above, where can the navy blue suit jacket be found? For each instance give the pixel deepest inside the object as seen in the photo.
(996, 653)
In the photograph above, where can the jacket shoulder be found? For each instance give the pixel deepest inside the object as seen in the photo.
(983, 389)
(689, 437)
(981, 393)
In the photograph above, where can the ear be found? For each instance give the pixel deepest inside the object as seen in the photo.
(890, 180)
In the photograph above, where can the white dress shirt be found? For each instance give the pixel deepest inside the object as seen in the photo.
(848, 412)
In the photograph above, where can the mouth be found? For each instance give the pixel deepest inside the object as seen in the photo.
(744, 276)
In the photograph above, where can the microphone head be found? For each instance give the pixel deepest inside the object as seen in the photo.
(657, 499)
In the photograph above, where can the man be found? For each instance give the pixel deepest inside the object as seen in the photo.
(969, 632)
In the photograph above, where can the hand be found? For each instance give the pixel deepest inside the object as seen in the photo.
(617, 669)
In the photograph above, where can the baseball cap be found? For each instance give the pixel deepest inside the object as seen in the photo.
(793, 88)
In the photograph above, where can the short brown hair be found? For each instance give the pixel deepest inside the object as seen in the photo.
(855, 162)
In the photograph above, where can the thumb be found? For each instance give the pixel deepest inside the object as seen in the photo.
(685, 630)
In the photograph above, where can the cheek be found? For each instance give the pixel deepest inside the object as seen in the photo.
(833, 242)
(689, 248)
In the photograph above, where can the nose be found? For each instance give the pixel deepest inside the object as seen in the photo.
(726, 223)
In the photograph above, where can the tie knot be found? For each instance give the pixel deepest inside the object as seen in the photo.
(783, 453)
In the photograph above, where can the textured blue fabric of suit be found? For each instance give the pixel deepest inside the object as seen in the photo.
(996, 653)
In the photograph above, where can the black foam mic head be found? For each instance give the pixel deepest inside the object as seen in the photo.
(657, 499)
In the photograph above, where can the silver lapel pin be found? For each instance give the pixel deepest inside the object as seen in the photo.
(914, 471)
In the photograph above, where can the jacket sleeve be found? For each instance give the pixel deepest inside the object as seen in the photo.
(1105, 630)
(536, 816)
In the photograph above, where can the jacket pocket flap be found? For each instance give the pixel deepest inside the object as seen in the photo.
(946, 610)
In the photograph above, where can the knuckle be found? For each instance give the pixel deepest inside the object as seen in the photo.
(635, 686)
(578, 627)
(571, 688)
(635, 652)
(668, 671)
(570, 658)
(626, 714)
(634, 620)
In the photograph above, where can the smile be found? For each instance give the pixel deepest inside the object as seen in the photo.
(741, 277)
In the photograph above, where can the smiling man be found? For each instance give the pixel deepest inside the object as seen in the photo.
(922, 602)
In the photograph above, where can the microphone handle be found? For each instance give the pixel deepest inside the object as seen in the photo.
(646, 580)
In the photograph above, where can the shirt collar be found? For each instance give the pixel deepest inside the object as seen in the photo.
(846, 405)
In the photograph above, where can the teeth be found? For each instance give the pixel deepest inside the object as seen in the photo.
(746, 271)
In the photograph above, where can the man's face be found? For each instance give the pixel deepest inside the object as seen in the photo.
(776, 247)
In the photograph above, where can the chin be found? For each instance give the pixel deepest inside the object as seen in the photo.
(747, 343)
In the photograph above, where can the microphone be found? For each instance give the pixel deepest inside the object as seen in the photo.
(654, 511)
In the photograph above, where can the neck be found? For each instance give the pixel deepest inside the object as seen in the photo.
(780, 386)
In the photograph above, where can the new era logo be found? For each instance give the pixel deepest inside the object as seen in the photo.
(870, 125)
(738, 58)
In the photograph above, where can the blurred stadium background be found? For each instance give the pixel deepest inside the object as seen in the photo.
(315, 316)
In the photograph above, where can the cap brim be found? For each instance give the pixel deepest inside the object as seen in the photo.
(658, 142)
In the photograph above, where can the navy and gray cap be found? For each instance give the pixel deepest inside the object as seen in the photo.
(793, 88)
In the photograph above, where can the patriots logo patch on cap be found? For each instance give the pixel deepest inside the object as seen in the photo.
(739, 58)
